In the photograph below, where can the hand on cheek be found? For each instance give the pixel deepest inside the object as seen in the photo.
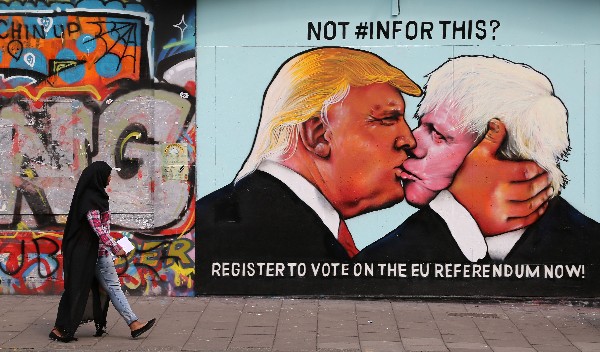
(501, 195)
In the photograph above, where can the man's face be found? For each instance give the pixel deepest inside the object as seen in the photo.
(368, 138)
(441, 149)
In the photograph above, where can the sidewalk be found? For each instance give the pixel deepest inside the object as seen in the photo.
(285, 324)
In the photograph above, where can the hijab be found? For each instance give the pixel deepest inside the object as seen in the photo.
(90, 194)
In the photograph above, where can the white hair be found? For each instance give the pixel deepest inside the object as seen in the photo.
(481, 88)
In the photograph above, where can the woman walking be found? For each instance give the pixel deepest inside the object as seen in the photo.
(88, 251)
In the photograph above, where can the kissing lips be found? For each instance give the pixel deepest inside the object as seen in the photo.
(407, 175)
(398, 171)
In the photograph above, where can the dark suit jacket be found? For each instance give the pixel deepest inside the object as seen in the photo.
(561, 236)
(259, 219)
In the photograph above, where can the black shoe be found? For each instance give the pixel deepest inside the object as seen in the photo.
(100, 332)
(64, 339)
(137, 332)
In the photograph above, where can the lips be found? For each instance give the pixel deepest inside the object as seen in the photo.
(398, 171)
(407, 175)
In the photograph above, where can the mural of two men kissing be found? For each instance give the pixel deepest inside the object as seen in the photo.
(333, 143)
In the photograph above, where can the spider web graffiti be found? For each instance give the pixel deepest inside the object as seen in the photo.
(126, 34)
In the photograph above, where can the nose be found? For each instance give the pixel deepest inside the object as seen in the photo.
(420, 151)
(405, 139)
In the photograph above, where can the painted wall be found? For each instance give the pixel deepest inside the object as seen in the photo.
(92, 80)
(242, 46)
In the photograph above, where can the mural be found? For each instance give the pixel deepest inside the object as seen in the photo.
(93, 80)
(474, 187)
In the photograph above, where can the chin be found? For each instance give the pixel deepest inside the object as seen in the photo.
(417, 195)
(377, 204)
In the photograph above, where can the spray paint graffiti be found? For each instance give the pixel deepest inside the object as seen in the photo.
(73, 52)
(90, 80)
(155, 263)
(30, 263)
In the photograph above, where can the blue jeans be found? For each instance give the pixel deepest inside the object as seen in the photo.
(108, 278)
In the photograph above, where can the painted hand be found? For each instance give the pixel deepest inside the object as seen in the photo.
(501, 195)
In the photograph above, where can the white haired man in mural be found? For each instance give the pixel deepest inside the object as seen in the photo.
(329, 146)
(462, 98)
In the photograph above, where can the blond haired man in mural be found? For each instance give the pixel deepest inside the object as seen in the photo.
(461, 98)
(329, 146)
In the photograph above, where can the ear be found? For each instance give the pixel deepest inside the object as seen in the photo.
(313, 134)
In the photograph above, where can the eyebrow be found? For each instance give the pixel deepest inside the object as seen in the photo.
(386, 113)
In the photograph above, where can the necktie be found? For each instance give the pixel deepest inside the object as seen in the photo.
(345, 239)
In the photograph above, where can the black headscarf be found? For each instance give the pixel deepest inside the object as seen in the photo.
(90, 194)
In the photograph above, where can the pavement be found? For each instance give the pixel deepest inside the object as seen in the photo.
(321, 324)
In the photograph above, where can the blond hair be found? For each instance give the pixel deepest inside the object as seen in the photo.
(482, 88)
(305, 86)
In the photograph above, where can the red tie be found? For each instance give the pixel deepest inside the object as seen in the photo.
(345, 239)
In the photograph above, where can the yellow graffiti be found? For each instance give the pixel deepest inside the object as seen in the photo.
(29, 173)
(149, 258)
(21, 226)
(87, 88)
(179, 43)
(132, 285)
(150, 253)
(179, 249)
(137, 135)
(8, 235)
(37, 235)
(183, 276)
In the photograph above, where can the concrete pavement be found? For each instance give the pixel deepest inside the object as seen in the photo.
(285, 324)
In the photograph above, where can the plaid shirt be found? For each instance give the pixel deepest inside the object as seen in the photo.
(101, 225)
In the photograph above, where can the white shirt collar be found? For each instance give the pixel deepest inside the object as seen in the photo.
(461, 224)
(466, 233)
(499, 246)
(308, 193)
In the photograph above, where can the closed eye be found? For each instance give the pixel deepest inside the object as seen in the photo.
(387, 120)
(437, 135)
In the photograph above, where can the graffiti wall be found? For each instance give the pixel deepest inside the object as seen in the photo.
(93, 80)
(398, 148)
